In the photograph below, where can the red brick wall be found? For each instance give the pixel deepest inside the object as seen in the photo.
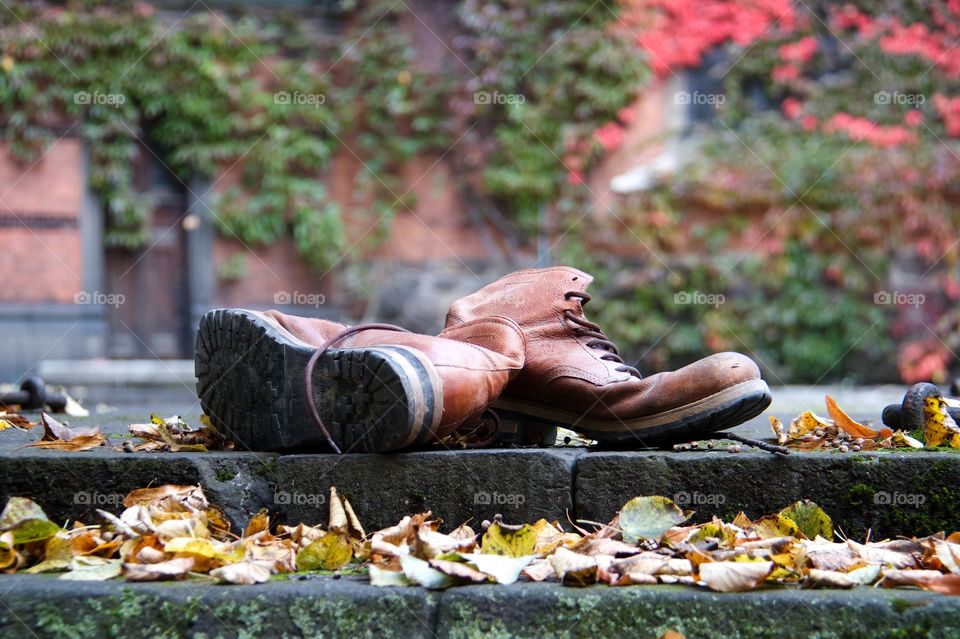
(47, 261)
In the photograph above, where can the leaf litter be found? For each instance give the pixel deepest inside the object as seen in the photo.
(809, 431)
(172, 532)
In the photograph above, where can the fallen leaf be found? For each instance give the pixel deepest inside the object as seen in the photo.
(500, 539)
(842, 420)
(807, 422)
(162, 571)
(774, 526)
(258, 523)
(419, 572)
(15, 420)
(572, 568)
(203, 549)
(734, 576)
(817, 578)
(92, 569)
(8, 555)
(538, 570)
(649, 518)
(926, 579)
(342, 518)
(327, 553)
(384, 578)
(777, 427)
(243, 573)
(26, 520)
(874, 554)
(901, 440)
(459, 570)
(170, 497)
(810, 519)
(940, 428)
(505, 570)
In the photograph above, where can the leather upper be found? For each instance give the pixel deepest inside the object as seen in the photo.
(562, 369)
(474, 360)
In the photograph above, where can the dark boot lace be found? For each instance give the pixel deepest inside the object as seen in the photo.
(586, 328)
(308, 373)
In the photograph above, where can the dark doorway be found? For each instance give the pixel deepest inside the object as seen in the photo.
(153, 320)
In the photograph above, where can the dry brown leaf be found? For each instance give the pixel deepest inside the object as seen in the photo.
(15, 420)
(56, 436)
(169, 497)
(816, 578)
(734, 576)
(459, 570)
(538, 570)
(572, 568)
(243, 573)
(162, 571)
(842, 420)
(258, 523)
(777, 427)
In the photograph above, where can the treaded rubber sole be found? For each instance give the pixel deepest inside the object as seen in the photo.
(250, 380)
(718, 417)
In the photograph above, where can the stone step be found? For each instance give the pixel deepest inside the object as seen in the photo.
(42, 606)
(887, 493)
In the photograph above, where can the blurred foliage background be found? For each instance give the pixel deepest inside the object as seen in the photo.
(823, 193)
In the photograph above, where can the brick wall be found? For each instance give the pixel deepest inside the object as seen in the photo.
(40, 234)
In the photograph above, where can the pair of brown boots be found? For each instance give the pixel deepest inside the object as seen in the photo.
(521, 345)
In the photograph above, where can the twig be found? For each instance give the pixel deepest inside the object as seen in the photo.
(771, 448)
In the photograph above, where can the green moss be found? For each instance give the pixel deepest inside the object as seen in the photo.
(128, 614)
(266, 467)
(391, 615)
(860, 494)
(224, 474)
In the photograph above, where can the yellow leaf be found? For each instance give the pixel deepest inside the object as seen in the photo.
(940, 427)
(8, 556)
(26, 520)
(203, 548)
(510, 541)
(777, 427)
(805, 423)
(810, 519)
(327, 553)
(776, 526)
(649, 518)
(259, 523)
(901, 440)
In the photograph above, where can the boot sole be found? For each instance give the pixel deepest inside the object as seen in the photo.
(250, 380)
(720, 411)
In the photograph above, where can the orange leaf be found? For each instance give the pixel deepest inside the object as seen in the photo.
(842, 420)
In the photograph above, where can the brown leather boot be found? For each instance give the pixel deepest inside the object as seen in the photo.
(574, 376)
(280, 382)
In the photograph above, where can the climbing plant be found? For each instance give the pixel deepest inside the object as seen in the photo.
(257, 105)
(831, 160)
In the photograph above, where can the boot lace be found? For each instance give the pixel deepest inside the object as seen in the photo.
(585, 328)
(308, 374)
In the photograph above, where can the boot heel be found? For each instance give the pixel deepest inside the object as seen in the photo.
(517, 429)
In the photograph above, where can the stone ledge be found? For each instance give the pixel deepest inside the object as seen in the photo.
(889, 493)
(40, 605)
(522, 485)
(74, 485)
